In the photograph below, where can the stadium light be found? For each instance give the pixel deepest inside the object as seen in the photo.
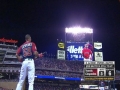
(76, 30)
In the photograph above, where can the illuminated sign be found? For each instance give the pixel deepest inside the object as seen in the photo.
(61, 45)
(98, 56)
(8, 40)
(74, 51)
(98, 45)
(61, 54)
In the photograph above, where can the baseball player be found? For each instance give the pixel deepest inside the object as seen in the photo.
(90, 46)
(87, 53)
(28, 51)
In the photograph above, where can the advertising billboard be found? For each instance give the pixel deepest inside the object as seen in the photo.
(61, 54)
(98, 45)
(98, 56)
(61, 45)
(61, 50)
(78, 51)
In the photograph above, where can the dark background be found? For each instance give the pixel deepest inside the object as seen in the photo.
(45, 21)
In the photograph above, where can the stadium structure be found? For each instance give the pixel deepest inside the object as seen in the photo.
(9, 66)
(51, 73)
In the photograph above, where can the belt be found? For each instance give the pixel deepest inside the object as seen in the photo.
(30, 59)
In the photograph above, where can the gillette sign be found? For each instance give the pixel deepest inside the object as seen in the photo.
(74, 51)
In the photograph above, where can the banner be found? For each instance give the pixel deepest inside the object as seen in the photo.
(8, 40)
(61, 45)
(98, 56)
(98, 45)
(61, 54)
(74, 51)
(53, 77)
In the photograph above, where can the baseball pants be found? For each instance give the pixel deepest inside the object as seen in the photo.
(102, 88)
(87, 59)
(28, 68)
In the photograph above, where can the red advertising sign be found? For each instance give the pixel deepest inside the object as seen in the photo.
(8, 40)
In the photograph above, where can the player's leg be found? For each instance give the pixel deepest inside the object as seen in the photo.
(23, 74)
(31, 74)
(102, 88)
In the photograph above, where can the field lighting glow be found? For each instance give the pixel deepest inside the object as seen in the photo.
(76, 30)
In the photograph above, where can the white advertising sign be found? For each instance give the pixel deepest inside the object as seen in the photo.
(98, 45)
(98, 56)
(61, 54)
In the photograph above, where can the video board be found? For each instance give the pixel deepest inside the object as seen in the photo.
(99, 70)
(74, 50)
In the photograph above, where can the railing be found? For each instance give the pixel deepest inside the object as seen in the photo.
(55, 77)
(10, 56)
(4, 57)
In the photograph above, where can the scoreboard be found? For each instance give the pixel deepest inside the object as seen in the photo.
(99, 70)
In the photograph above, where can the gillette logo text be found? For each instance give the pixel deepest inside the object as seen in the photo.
(73, 49)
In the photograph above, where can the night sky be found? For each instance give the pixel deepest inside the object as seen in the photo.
(45, 21)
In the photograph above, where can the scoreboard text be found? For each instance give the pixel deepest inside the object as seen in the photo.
(99, 70)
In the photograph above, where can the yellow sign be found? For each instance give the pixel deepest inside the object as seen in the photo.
(61, 45)
(99, 78)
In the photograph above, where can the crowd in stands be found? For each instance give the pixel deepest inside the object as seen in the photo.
(54, 66)
(58, 74)
(61, 65)
(117, 76)
(48, 86)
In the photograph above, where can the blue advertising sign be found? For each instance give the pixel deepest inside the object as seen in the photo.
(74, 51)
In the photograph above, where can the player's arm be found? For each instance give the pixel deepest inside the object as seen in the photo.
(34, 50)
(91, 52)
(18, 53)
